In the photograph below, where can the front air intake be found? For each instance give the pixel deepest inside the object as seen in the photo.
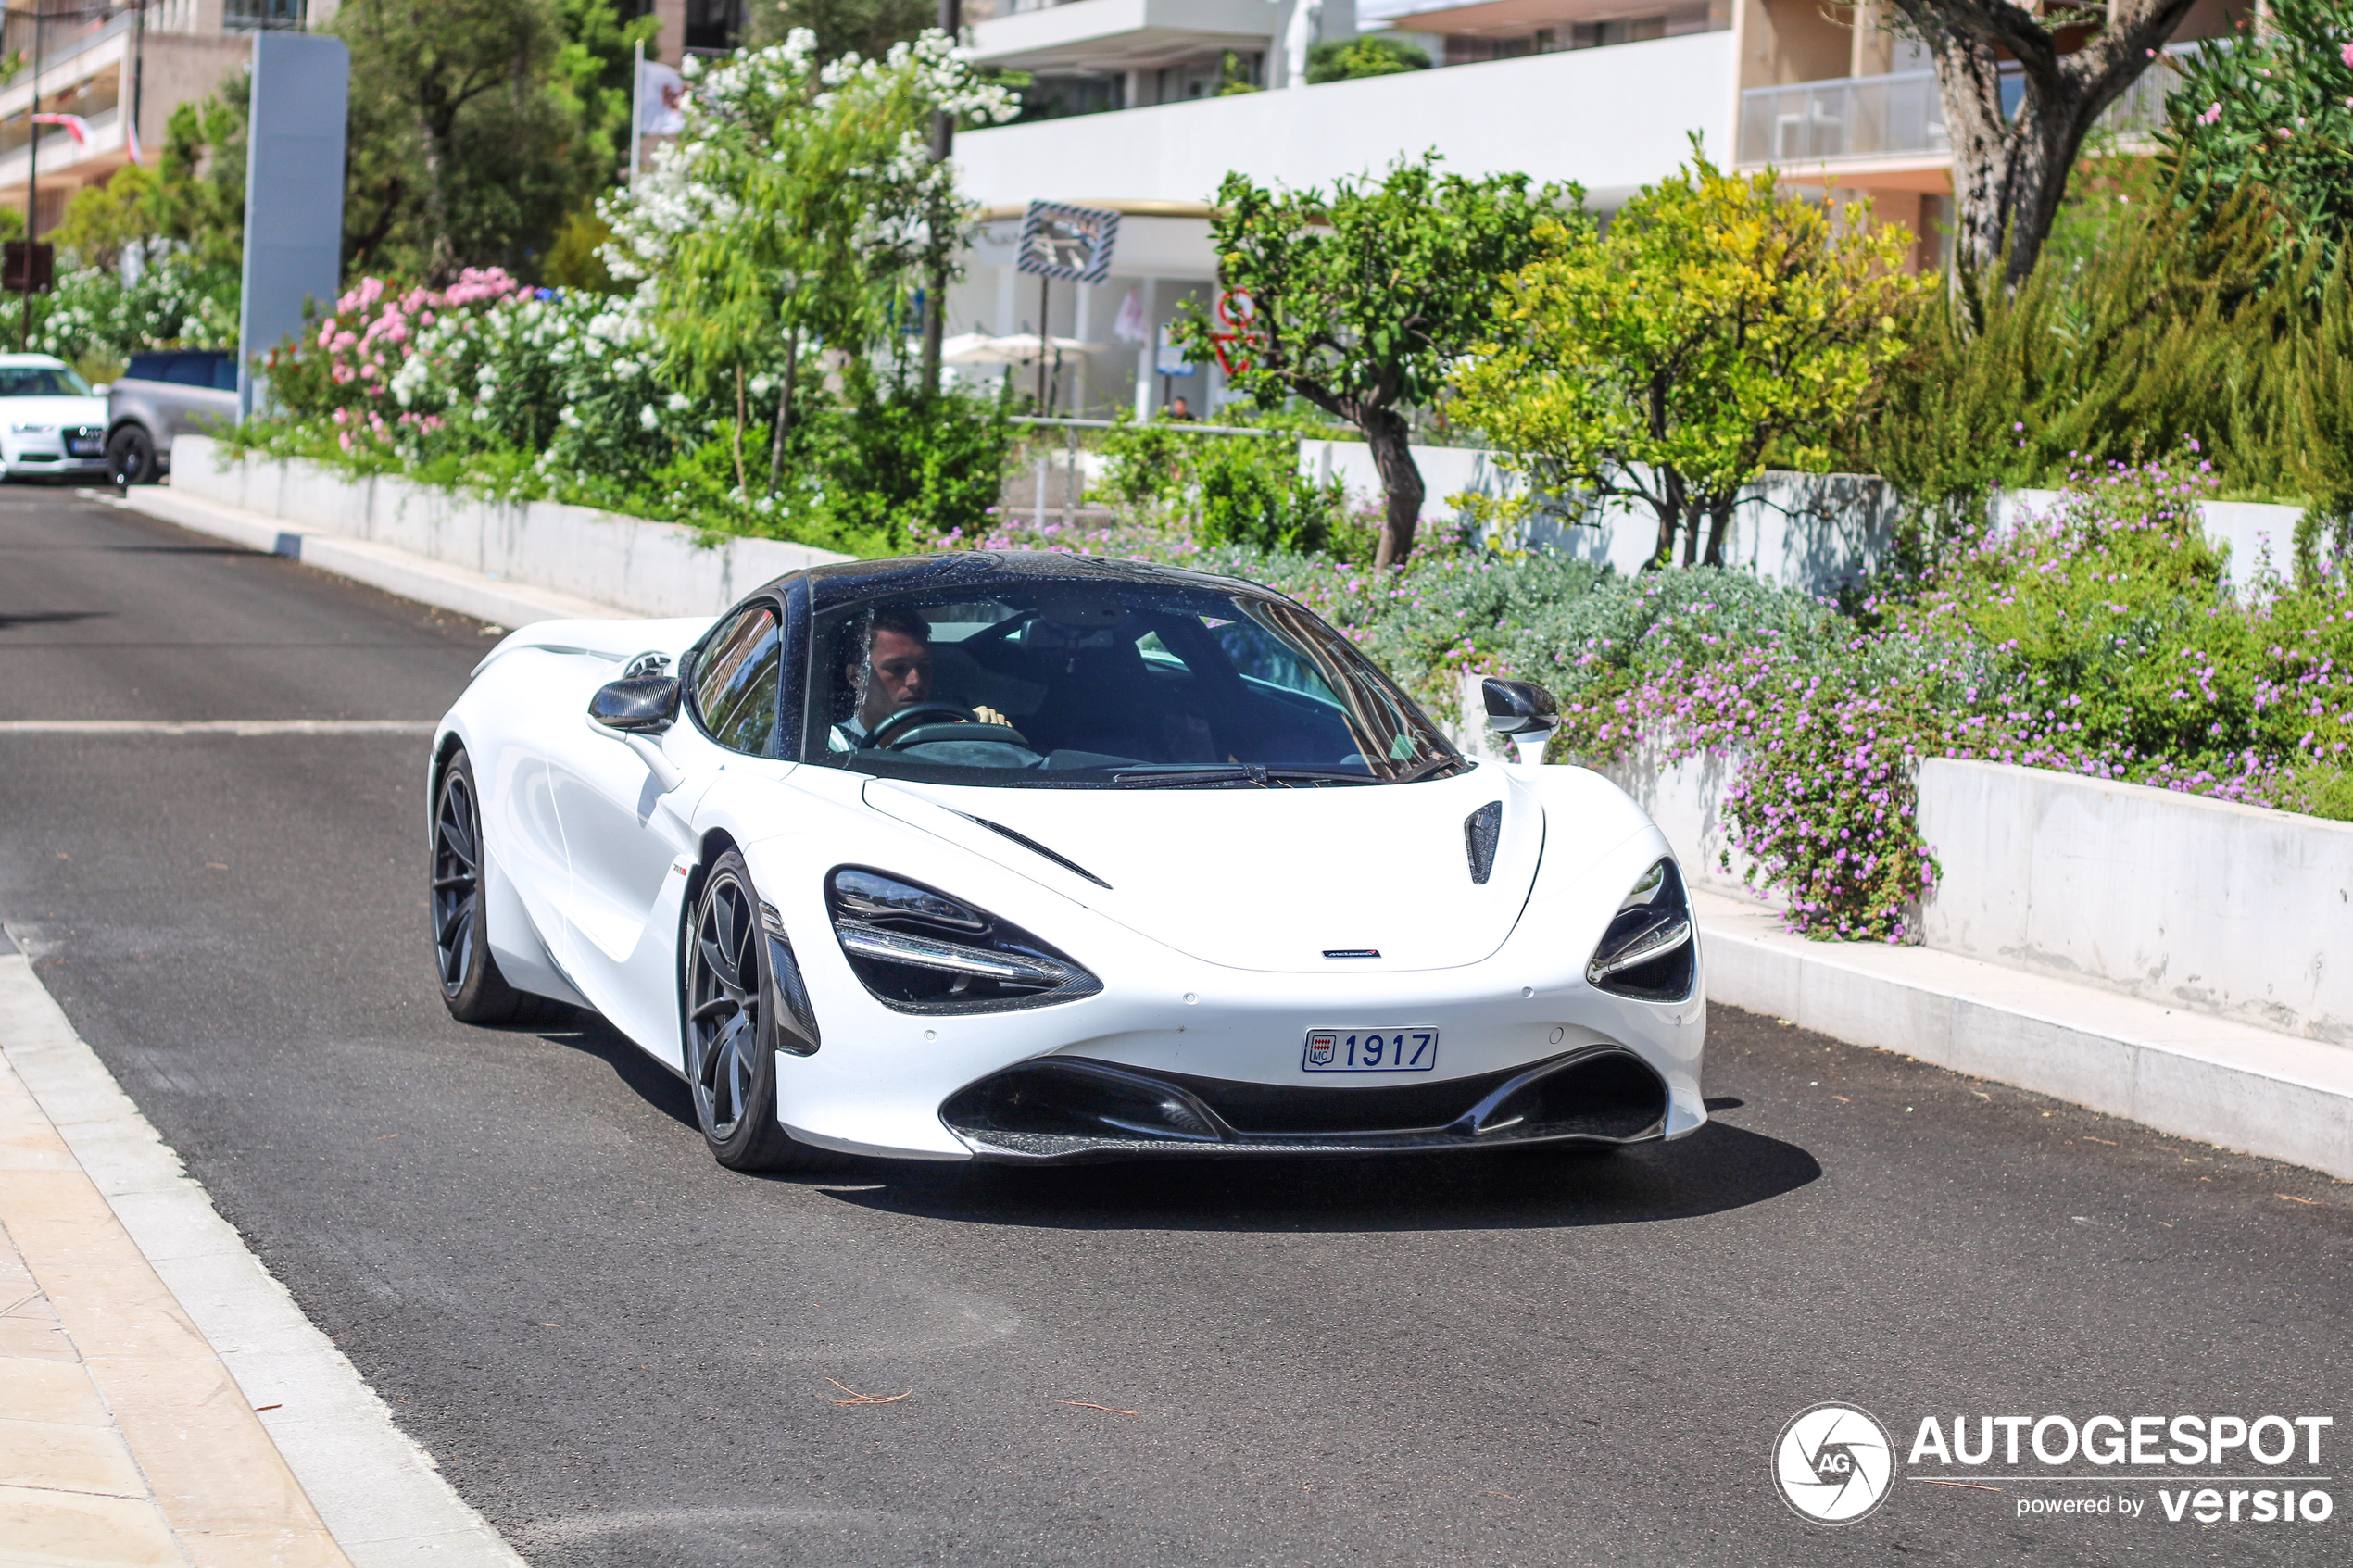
(1480, 831)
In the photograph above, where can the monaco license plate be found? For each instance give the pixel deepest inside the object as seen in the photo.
(1370, 1050)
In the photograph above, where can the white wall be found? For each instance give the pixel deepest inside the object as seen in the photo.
(1811, 532)
(648, 568)
(2232, 911)
(2257, 534)
(1609, 118)
(2228, 909)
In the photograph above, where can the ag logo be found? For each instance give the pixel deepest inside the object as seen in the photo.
(1835, 1463)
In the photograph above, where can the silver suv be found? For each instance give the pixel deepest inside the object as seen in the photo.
(175, 392)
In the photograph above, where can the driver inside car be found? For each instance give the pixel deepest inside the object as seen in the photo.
(894, 674)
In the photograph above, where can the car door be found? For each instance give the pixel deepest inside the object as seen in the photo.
(198, 402)
(629, 841)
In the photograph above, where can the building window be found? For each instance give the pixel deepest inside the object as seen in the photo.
(263, 16)
(1058, 97)
(714, 26)
(1208, 76)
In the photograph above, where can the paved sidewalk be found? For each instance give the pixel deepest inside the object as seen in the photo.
(163, 1400)
(123, 1440)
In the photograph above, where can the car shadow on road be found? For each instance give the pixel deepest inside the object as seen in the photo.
(1718, 1168)
(649, 1080)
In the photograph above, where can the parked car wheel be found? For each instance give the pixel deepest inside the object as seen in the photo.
(131, 456)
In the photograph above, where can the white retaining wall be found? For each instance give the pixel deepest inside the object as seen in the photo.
(635, 566)
(1811, 532)
(2227, 911)
(2232, 911)
(1805, 531)
(2258, 535)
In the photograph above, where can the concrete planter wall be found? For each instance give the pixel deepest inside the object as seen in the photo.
(635, 566)
(2202, 905)
(2226, 909)
(1812, 531)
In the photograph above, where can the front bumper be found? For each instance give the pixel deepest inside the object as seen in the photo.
(1066, 1111)
(30, 454)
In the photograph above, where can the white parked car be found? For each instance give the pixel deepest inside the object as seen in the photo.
(51, 421)
(1040, 858)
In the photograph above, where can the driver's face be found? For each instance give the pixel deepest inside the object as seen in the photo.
(901, 676)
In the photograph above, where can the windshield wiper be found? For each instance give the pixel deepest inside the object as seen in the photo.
(1241, 774)
(1427, 768)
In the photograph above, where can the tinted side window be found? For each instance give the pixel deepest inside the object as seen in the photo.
(224, 372)
(735, 682)
(189, 369)
(146, 367)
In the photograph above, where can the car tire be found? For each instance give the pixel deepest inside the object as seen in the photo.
(131, 456)
(728, 1026)
(472, 986)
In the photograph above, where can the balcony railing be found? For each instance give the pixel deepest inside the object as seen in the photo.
(1902, 115)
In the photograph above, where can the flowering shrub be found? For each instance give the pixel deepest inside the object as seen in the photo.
(800, 200)
(95, 319)
(2273, 109)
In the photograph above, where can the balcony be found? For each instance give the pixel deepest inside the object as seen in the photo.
(1104, 36)
(1901, 117)
(1613, 120)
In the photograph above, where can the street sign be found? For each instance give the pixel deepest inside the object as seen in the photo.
(45, 258)
(1060, 241)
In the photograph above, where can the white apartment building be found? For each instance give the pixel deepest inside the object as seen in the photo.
(1126, 115)
(99, 62)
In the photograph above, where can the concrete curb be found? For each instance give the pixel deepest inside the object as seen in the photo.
(380, 566)
(378, 1493)
(2184, 1072)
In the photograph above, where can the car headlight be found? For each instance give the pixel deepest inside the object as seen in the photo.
(918, 951)
(32, 430)
(1648, 952)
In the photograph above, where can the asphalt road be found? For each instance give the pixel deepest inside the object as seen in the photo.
(624, 1355)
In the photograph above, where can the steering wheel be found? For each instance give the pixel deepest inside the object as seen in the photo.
(924, 719)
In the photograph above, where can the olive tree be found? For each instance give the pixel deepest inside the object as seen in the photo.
(2010, 170)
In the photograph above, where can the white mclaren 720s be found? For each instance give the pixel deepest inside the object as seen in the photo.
(1047, 858)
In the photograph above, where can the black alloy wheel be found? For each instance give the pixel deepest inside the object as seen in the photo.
(472, 986)
(130, 458)
(731, 1028)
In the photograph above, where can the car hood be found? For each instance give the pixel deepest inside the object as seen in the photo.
(1263, 879)
(53, 410)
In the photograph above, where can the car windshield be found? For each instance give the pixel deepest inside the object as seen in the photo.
(41, 381)
(1107, 684)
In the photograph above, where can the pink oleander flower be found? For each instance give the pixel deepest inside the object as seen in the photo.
(2345, 54)
(2214, 112)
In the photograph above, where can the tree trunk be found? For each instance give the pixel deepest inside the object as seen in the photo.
(740, 430)
(784, 410)
(1670, 517)
(1719, 528)
(2008, 173)
(1401, 483)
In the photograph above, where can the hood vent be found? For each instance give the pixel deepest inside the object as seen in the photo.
(1480, 830)
(1065, 861)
